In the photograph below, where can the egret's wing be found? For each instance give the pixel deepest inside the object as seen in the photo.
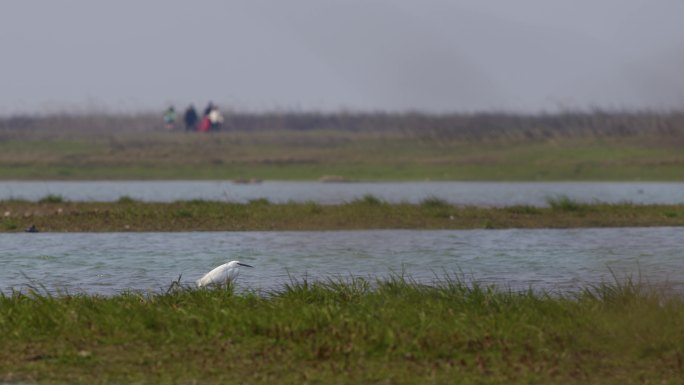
(215, 276)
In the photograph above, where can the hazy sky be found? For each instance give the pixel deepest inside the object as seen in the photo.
(431, 55)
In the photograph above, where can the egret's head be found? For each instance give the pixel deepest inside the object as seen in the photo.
(238, 264)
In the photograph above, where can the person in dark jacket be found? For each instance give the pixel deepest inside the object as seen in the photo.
(190, 118)
(208, 109)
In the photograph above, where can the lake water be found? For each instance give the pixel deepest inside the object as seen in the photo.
(462, 193)
(555, 260)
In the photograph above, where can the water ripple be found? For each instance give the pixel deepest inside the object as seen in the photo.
(107, 263)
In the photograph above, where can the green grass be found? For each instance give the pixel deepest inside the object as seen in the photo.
(368, 212)
(354, 331)
(355, 166)
(434, 202)
(563, 203)
(368, 200)
(125, 200)
(51, 198)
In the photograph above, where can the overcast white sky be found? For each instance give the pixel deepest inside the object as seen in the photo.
(430, 55)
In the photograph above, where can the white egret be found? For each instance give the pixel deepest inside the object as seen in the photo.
(225, 273)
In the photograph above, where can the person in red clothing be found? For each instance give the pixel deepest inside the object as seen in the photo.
(205, 124)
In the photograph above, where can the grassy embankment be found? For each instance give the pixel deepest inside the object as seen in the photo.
(390, 332)
(571, 146)
(53, 214)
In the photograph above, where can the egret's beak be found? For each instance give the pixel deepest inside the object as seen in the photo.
(244, 264)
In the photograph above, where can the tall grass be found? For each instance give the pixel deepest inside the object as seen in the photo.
(563, 203)
(51, 198)
(345, 331)
(369, 200)
(125, 200)
(433, 202)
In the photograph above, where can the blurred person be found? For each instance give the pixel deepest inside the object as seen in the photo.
(191, 118)
(205, 124)
(215, 118)
(208, 109)
(170, 118)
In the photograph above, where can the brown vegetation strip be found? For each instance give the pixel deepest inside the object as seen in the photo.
(367, 213)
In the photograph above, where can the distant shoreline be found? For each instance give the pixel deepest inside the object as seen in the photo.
(572, 146)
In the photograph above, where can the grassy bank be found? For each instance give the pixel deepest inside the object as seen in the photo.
(572, 146)
(53, 214)
(390, 332)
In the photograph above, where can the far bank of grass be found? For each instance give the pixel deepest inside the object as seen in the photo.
(52, 214)
(163, 157)
(300, 146)
(351, 332)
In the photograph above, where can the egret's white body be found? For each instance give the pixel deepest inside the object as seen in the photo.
(223, 274)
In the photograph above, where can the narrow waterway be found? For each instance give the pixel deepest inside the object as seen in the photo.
(555, 260)
(462, 193)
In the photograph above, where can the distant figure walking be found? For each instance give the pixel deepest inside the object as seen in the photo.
(215, 118)
(191, 118)
(208, 109)
(205, 123)
(170, 118)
